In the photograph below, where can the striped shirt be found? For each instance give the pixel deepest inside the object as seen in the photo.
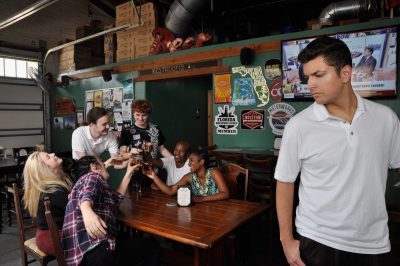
(90, 187)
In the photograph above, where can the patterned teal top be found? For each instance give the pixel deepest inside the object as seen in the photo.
(209, 188)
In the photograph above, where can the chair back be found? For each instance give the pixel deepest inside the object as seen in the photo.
(21, 155)
(261, 178)
(27, 246)
(58, 248)
(225, 158)
(236, 178)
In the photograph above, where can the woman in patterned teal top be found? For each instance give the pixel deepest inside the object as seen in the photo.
(207, 183)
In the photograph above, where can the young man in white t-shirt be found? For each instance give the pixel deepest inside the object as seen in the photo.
(95, 138)
(342, 145)
(176, 166)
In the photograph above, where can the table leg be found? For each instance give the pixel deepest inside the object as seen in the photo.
(210, 257)
(202, 257)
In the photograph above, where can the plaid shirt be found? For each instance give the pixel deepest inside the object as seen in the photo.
(76, 241)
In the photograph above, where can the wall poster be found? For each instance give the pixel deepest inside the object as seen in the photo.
(222, 88)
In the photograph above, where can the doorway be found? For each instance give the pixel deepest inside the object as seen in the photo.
(180, 108)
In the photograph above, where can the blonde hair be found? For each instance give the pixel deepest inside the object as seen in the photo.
(38, 178)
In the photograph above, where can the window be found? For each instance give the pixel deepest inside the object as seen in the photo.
(16, 68)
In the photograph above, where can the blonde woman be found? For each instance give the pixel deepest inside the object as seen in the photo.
(44, 177)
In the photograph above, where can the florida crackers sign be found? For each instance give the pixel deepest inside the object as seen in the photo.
(226, 121)
(252, 119)
(279, 115)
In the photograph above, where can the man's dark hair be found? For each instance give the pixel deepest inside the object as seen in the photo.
(370, 49)
(334, 51)
(82, 166)
(95, 114)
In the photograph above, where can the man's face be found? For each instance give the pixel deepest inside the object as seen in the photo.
(180, 153)
(324, 83)
(141, 119)
(101, 127)
(367, 52)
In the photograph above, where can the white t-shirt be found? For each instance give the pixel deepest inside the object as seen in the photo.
(82, 141)
(343, 169)
(174, 174)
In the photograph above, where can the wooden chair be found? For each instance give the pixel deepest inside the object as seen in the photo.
(236, 178)
(261, 179)
(21, 155)
(54, 234)
(224, 158)
(27, 246)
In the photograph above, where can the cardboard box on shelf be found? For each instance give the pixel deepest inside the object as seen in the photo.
(126, 45)
(125, 36)
(110, 57)
(144, 39)
(125, 55)
(143, 30)
(142, 50)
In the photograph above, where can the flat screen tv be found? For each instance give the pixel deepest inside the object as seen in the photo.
(372, 77)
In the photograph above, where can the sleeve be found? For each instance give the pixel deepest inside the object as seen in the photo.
(394, 160)
(166, 162)
(113, 145)
(124, 139)
(77, 141)
(88, 188)
(288, 166)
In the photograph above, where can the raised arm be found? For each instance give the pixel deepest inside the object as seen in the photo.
(164, 151)
(169, 190)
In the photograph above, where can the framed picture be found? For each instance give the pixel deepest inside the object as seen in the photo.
(80, 119)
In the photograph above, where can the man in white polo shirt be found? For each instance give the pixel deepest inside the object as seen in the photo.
(343, 146)
(95, 138)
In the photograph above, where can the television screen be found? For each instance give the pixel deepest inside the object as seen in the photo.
(374, 63)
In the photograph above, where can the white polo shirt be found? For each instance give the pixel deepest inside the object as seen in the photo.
(343, 169)
(82, 141)
(174, 174)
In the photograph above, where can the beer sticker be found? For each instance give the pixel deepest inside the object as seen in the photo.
(279, 115)
(226, 121)
(252, 119)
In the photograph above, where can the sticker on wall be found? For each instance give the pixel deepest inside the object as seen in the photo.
(273, 69)
(58, 122)
(69, 122)
(107, 98)
(127, 89)
(275, 90)
(252, 119)
(98, 98)
(226, 121)
(243, 94)
(259, 82)
(222, 88)
(279, 115)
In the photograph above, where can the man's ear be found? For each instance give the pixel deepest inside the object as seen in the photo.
(345, 74)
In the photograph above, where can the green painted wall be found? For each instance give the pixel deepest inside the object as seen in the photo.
(174, 104)
(263, 139)
(174, 100)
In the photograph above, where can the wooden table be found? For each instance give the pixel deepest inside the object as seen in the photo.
(203, 225)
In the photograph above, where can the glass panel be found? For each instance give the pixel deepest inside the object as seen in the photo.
(1, 66)
(9, 67)
(21, 69)
(33, 64)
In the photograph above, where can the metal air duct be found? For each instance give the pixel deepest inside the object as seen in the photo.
(180, 15)
(26, 12)
(348, 9)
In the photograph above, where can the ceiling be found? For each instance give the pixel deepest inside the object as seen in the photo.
(232, 20)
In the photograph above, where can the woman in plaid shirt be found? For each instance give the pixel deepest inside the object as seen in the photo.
(89, 231)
